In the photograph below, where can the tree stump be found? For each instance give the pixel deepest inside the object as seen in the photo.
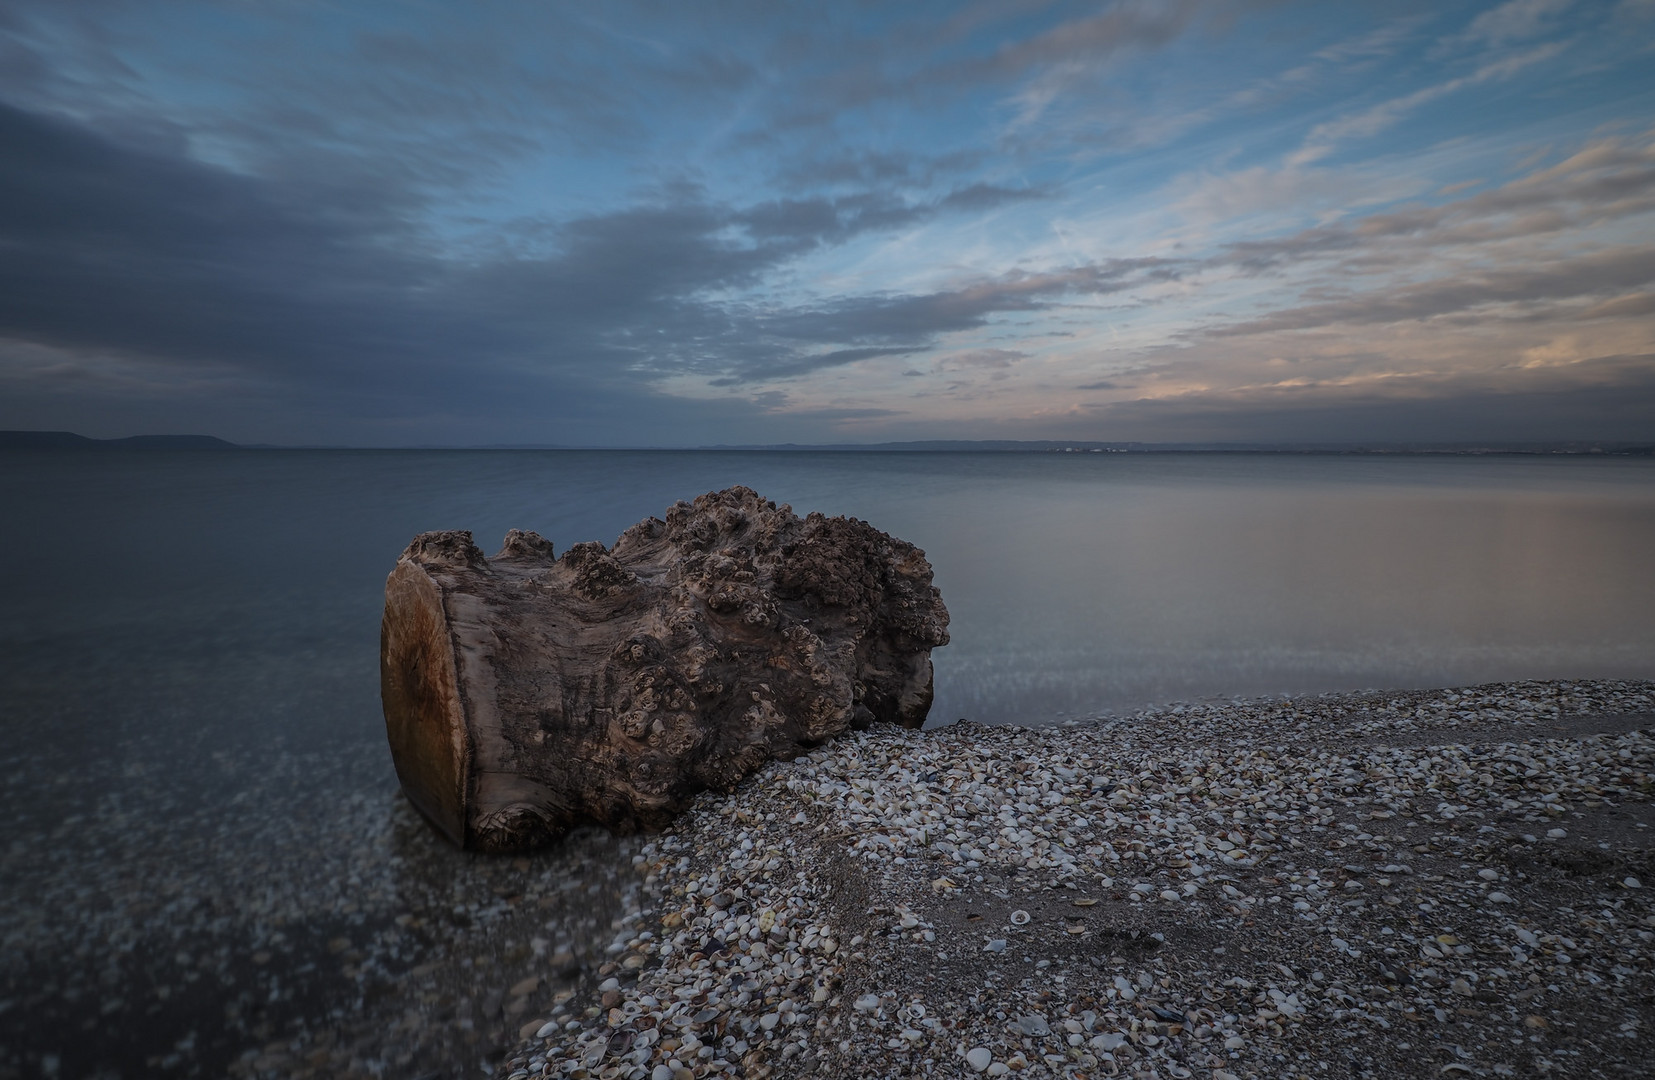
(526, 693)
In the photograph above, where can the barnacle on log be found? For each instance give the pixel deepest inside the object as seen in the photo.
(526, 693)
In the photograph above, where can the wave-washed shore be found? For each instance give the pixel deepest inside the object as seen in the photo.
(1420, 883)
(1406, 884)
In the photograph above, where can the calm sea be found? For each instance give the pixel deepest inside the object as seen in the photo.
(190, 682)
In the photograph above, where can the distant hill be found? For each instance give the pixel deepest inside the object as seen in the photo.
(68, 440)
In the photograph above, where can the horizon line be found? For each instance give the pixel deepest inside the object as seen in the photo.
(58, 439)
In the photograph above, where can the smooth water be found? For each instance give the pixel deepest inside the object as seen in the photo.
(190, 684)
(237, 594)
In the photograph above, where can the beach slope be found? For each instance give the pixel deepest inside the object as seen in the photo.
(1432, 883)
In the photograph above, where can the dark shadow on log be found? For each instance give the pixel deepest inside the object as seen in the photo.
(525, 694)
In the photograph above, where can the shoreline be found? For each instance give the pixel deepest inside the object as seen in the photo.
(247, 939)
(1420, 883)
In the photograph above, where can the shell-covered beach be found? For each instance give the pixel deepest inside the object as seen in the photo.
(1416, 884)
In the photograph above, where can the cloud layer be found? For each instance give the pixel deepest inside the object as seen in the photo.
(1150, 221)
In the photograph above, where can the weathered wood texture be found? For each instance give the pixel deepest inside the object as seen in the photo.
(525, 694)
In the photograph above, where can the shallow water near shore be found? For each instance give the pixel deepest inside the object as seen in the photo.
(208, 852)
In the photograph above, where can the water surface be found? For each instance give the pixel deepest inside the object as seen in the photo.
(193, 747)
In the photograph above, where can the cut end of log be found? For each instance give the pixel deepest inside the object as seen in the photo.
(424, 719)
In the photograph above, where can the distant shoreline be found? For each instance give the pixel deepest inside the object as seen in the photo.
(68, 440)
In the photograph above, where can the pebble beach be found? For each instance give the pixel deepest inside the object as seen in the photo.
(1422, 883)
(1437, 883)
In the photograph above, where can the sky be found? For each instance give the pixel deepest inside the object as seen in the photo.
(659, 224)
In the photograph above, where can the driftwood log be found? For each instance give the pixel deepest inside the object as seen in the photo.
(525, 694)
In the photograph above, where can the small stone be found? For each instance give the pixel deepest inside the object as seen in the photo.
(1557, 834)
(769, 1021)
(609, 984)
(1632, 883)
(1498, 897)
(1033, 1024)
(661, 1072)
(979, 1058)
(999, 1068)
(995, 945)
(1488, 875)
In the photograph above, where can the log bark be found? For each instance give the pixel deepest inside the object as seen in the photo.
(527, 693)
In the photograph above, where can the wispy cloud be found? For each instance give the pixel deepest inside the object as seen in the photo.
(1588, 276)
(1325, 137)
(1516, 20)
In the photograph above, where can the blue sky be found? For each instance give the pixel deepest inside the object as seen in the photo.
(669, 224)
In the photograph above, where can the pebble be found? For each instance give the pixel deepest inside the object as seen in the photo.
(1032, 1025)
(979, 1057)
